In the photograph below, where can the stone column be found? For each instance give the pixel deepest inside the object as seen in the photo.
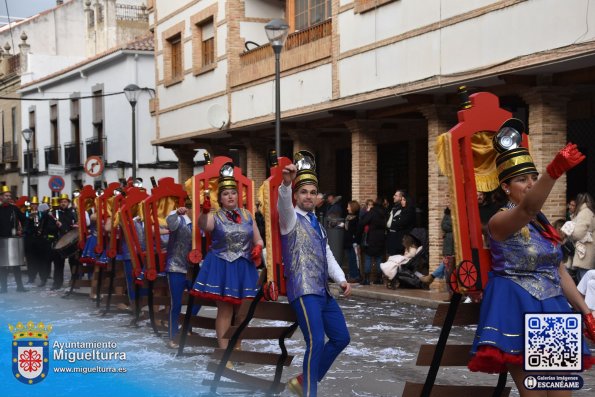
(441, 118)
(303, 139)
(364, 159)
(185, 163)
(256, 161)
(547, 135)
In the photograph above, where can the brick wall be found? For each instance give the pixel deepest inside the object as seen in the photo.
(256, 160)
(547, 135)
(440, 119)
(364, 161)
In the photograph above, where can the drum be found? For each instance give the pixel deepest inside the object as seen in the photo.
(68, 244)
(12, 251)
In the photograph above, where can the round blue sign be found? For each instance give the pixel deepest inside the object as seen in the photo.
(56, 183)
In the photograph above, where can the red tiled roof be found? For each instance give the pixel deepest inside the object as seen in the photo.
(143, 43)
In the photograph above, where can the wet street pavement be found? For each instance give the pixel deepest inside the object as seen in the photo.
(385, 338)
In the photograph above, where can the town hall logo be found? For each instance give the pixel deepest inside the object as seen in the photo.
(30, 352)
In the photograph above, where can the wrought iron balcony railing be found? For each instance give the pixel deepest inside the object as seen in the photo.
(72, 154)
(96, 147)
(52, 155)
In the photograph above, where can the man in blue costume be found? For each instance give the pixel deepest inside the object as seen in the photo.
(309, 263)
(177, 266)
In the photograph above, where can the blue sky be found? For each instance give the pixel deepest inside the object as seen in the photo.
(24, 8)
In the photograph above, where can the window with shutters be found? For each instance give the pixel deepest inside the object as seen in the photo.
(204, 40)
(208, 44)
(54, 133)
(173, 54)
(176, 56)
(310, 12)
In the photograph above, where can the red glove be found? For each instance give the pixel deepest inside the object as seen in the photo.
(257, 255)
(589, 326)
(206, 205)
(565, 160)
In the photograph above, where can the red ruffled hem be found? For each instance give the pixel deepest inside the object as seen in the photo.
(493, 361)
(208, 295)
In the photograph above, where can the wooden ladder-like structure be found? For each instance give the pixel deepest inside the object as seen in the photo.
(242, 329)
(442, 354)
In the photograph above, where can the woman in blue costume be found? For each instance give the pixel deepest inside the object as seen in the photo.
(228, 273)
(527, 275)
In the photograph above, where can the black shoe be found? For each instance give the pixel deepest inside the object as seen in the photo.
(42, 284)
(21, 289)
(378, 281)
(3, 291)
(31, 282)
(56, 287)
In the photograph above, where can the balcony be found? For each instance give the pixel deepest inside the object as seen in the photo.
(10, 152)
(31, 161)
(52, 155)
(72, 154)
(129, 12)
(301, 48)
(96, 147)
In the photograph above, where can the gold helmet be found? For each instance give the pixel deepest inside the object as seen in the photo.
(34, 200)
(306, 169)
(45, 200)
(513, 159)
(55, 202)
(64, 196)
(226, 179)
(4, 189)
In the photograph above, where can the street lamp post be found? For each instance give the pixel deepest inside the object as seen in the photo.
(132, 92)
(276, 31)
(28, 136)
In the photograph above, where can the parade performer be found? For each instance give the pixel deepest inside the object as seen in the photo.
(36, 249)
(63, 219)
(228, 273)
(177, 266)
(527, 275)
(309, 263)
(11, 222)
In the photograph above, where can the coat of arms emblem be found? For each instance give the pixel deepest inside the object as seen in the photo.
(30, 351)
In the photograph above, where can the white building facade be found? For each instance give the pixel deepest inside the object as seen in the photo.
(81, 111)
(368, 85)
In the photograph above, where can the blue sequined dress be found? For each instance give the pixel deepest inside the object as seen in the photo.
(228, 273)
(524, 279)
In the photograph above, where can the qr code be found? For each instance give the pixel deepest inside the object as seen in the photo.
(553, 342)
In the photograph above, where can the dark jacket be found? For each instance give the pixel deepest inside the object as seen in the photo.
(402, 223)
(376, 223)
(10, 220)
(351, 232)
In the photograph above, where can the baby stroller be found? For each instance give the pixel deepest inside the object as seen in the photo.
(408, 274)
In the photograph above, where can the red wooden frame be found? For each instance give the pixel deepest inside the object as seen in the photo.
(101, 204)
(166, 188)
(484, 114)
(134, 196)
(275, 267)
(87, 193)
